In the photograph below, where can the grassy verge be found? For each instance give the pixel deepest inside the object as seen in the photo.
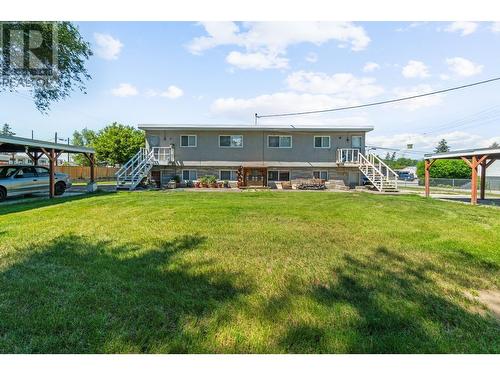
(261, 272)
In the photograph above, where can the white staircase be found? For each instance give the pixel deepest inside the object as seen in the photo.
(382, 177)
(137, 168)
(378, 173)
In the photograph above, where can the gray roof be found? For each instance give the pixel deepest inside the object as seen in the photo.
(251, 127)
(18, 144)
(493, 152)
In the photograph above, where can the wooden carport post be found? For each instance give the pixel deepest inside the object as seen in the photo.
(34, 158)
(52, 156)
(91, 159)
(427, 166)
(474, 163)
(483, 179)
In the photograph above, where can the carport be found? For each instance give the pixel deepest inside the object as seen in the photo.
(479, 157)
(36, 148)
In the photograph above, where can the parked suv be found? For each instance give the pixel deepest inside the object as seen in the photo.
(18, 180)
(405, 176)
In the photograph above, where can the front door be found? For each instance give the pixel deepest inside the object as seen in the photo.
(255, 177)
(156, 178)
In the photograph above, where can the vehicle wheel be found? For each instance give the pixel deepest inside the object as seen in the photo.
(3, 194)
(60, 188)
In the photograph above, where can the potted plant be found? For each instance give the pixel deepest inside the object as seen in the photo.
(204, 181)
(177, 180)
(225, 183)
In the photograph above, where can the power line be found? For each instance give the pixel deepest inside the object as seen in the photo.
(257, 116)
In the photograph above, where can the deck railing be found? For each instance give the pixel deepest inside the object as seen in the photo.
(348, 155)
(163, 155)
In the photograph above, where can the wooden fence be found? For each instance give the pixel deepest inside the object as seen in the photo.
(83, 173)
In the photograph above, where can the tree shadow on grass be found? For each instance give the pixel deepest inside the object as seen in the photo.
(394, 304)
(76, 295)
(18, 205)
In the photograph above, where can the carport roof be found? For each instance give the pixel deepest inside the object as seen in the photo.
(18, 144)
(493, 153)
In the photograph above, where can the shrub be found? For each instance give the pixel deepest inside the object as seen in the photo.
(446, 169)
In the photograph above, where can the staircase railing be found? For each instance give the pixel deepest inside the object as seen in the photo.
(379, 173)
(133, 172)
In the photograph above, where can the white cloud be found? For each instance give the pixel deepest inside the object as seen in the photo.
(464, 27)
(427, 142)
(108, 47)
(172, 92)
(342, 85)
(463, 67)
(124, 89)
(415, 69)
(495, 27)
(265, 43)
(276, 103)
(312, 57)
(414, 104)
(256, 60)
(370, 67)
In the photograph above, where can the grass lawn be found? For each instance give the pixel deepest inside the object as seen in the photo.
(270, 272)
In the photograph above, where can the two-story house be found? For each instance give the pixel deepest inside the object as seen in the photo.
(261, 153)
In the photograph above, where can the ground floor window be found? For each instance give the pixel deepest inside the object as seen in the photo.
(278, 176)
(189, 174)
(228, 175)
(323, 175)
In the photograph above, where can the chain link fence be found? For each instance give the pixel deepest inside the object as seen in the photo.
(462, 184)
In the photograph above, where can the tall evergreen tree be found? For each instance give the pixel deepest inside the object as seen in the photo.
(6, 130)
(442, 146)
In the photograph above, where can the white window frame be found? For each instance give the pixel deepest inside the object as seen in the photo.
(279, 142)
(231, 171)
(322, 136)
(188, 135)
(279, 171)
(189, 172)
(319, 171)
(231, 135)
(360, 141)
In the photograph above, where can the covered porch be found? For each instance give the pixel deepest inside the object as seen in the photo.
(477, 159)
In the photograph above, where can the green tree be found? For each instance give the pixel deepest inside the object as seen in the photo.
(442, 146)
(6, 130)
(69, 71)
(446, 169)
(85, 138)
(494, 145)
(117, 143)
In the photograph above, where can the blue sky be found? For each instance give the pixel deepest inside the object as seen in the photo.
(179, 72)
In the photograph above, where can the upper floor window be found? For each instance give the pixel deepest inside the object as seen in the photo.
(234, 141)
(322, 141)
(188, 141)
(356, 141)
(279, 141)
